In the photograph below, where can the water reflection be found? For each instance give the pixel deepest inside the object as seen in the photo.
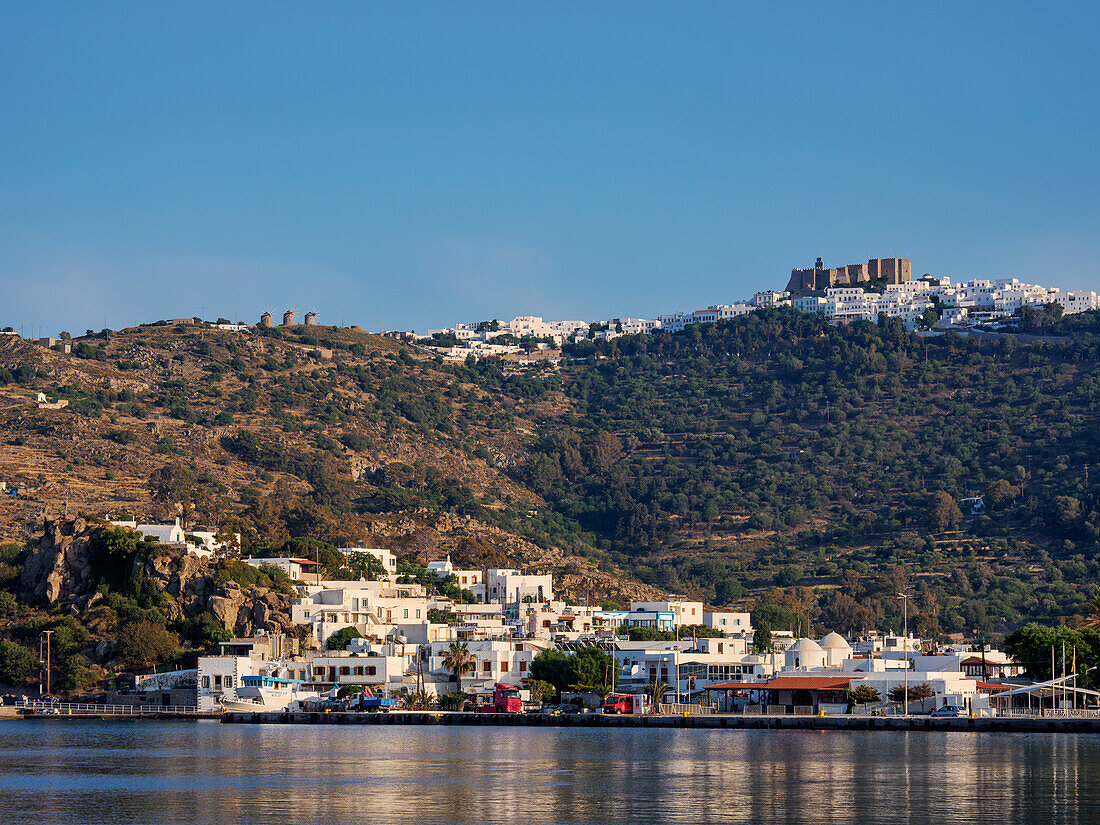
(118, 772)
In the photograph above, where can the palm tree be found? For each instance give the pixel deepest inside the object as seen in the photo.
(657, 690)
(458, 659)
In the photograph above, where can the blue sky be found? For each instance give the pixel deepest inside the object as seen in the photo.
(413, 165)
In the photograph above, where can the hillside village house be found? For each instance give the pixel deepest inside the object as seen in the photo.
(202, 543)
(295, 568)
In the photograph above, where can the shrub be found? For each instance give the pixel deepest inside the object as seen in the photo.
(16, 662)
(342, 638)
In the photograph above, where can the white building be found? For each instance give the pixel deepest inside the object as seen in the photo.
(495, 660)
(729, 623)
(511, 586)
(683, 612)
(295, 568)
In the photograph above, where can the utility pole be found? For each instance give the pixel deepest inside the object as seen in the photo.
(905, 646)
(47, 634)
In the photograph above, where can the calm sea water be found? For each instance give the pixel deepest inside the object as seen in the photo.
(205, 772)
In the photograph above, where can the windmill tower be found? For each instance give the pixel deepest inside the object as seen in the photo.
(311, 318)
(265, 319)
(288, 317)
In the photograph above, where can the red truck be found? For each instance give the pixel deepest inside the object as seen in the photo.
(625, 703)
(506, 699)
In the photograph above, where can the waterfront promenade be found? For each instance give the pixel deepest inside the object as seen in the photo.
(1009, 724)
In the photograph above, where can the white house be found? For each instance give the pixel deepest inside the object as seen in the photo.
(511, 586)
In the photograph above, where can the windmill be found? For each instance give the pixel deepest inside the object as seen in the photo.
(288, 316)
(311, 318)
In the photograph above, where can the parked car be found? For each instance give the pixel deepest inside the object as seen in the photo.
(559, 710)
(947, 711)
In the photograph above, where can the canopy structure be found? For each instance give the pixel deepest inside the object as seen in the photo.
(1051, 689)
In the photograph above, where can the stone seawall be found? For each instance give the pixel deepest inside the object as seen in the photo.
(715, 721)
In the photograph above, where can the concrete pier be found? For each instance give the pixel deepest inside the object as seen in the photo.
(714, 721)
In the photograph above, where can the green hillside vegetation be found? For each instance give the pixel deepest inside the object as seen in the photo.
(777, 449)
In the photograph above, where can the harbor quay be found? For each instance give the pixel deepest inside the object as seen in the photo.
(731, 721)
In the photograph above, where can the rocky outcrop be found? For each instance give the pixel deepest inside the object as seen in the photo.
(60, 568)
(59, 565)
(196, 588)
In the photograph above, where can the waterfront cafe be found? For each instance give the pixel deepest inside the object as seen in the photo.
(1058, 694)
(786, 693)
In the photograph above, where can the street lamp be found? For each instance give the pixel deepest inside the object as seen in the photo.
(905, 647)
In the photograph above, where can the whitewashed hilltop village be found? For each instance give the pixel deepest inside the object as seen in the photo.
(845, 294)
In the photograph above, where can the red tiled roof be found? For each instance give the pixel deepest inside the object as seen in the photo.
(809, 682)
(991, 687)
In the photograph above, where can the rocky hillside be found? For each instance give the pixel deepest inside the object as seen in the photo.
(326, 433)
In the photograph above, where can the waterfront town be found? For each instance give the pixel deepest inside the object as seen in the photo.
(502, 641)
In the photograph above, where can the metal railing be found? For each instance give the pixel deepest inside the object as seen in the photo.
(84, 709)
(688, 709)
(1049, 713)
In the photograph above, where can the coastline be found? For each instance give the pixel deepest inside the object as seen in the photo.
(714, 721)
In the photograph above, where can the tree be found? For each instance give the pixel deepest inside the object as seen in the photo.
(1091, 617)
(594, 670)
(555, 667)
(864, 695)
(458, 659)
(348, 690)
(657, 691)
(77, 674)
(342, 638)
(761, 638)
(916, 693)
(16, 662)
(540, 690)
(943, 512)
(142, 644)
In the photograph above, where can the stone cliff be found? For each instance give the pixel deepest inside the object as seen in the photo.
(64, 568)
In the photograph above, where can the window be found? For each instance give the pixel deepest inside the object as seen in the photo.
(206, 682)
(522, 665)
(487, 667)
(345, 671)
(358, 671)
(229, 681)
(318, 671)
(217, 681)
(306, 614)
(418, 614)
(372, 670)
(406, 614)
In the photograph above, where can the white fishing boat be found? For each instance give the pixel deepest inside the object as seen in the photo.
(267, 692)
